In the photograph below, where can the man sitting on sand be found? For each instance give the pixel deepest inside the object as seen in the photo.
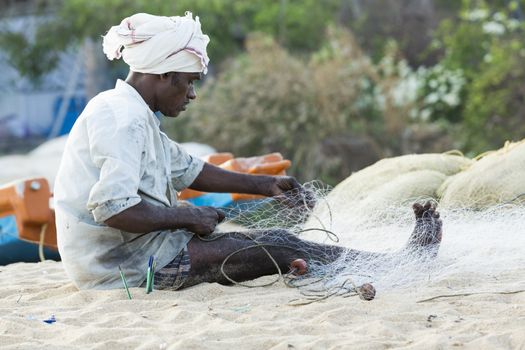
(115, 192)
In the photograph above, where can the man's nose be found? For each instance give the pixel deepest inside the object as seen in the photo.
(191, 93)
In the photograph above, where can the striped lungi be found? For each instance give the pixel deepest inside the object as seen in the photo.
(173, 275)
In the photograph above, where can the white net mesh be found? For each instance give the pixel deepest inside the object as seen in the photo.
(378, 217)
(326, 276)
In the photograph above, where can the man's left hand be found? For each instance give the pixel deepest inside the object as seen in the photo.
(290, 191)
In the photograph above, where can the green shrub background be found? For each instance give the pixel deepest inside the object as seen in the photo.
(334, 85)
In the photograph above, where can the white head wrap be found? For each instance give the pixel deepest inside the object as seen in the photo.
(159, 44)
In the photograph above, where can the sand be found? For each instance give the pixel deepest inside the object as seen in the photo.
(481, 267)
(211, 316)
(481, 272)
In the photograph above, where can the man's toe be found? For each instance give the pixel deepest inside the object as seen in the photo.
(418, 210)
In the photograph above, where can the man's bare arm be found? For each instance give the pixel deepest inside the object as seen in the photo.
(215, 179)
(145, 217)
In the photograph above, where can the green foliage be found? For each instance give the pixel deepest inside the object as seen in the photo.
(290, 88)
(261, 103)
(464, 44)
(22, 55)
(487, 45)
(441, 93)
(494, 111)
(299, 25)
(409, 23)
(268, 100)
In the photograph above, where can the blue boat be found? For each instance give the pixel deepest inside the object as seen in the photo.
(13, 249)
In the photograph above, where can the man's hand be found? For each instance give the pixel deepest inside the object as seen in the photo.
(145, 217)
(285, 188)
(201, 220)
(274, 186)
(289, 191)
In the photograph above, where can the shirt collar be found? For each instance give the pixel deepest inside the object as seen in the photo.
(121, 85)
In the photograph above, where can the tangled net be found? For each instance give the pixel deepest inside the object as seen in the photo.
(325, 277)
(470, 236)
(482, 206)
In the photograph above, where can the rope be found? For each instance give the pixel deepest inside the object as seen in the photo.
(289, 279)
(454, 152)
(310, 299)
(285, 277)
(331, 235)
(280, 274)
(256, 245)
(468, 294)
(41, 243)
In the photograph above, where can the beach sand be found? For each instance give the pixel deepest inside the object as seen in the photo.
(211, 316)
(485, 256)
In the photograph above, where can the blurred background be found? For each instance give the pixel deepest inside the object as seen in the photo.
(334, 85)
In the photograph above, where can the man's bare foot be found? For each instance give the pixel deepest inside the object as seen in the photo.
(427, 234)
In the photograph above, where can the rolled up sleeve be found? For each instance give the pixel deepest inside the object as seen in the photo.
(184, 167)
(116, 149)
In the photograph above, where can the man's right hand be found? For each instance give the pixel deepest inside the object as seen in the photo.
(201, 220)
(145, 217)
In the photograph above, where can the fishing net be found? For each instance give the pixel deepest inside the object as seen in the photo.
(372, 211)
(331, 269)
(377, 190)
(497, 177)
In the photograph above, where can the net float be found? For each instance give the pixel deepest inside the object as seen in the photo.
(366, 291)
(298, 267)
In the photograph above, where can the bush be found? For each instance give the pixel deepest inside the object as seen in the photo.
(268, 100)
(486, 44)
(260, 104)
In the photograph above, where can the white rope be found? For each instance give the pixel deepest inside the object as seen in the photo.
(41, 242)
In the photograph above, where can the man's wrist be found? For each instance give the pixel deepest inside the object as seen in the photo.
(180, 217)
(265, 185)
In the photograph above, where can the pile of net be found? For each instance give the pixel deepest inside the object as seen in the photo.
(495, 178)
(480, 201)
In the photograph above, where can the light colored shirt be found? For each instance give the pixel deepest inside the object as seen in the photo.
(116, 156)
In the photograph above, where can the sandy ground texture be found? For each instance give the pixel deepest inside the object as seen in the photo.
(211, 316)
(477, 284)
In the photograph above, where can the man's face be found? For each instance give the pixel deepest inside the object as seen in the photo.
(174, 92)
